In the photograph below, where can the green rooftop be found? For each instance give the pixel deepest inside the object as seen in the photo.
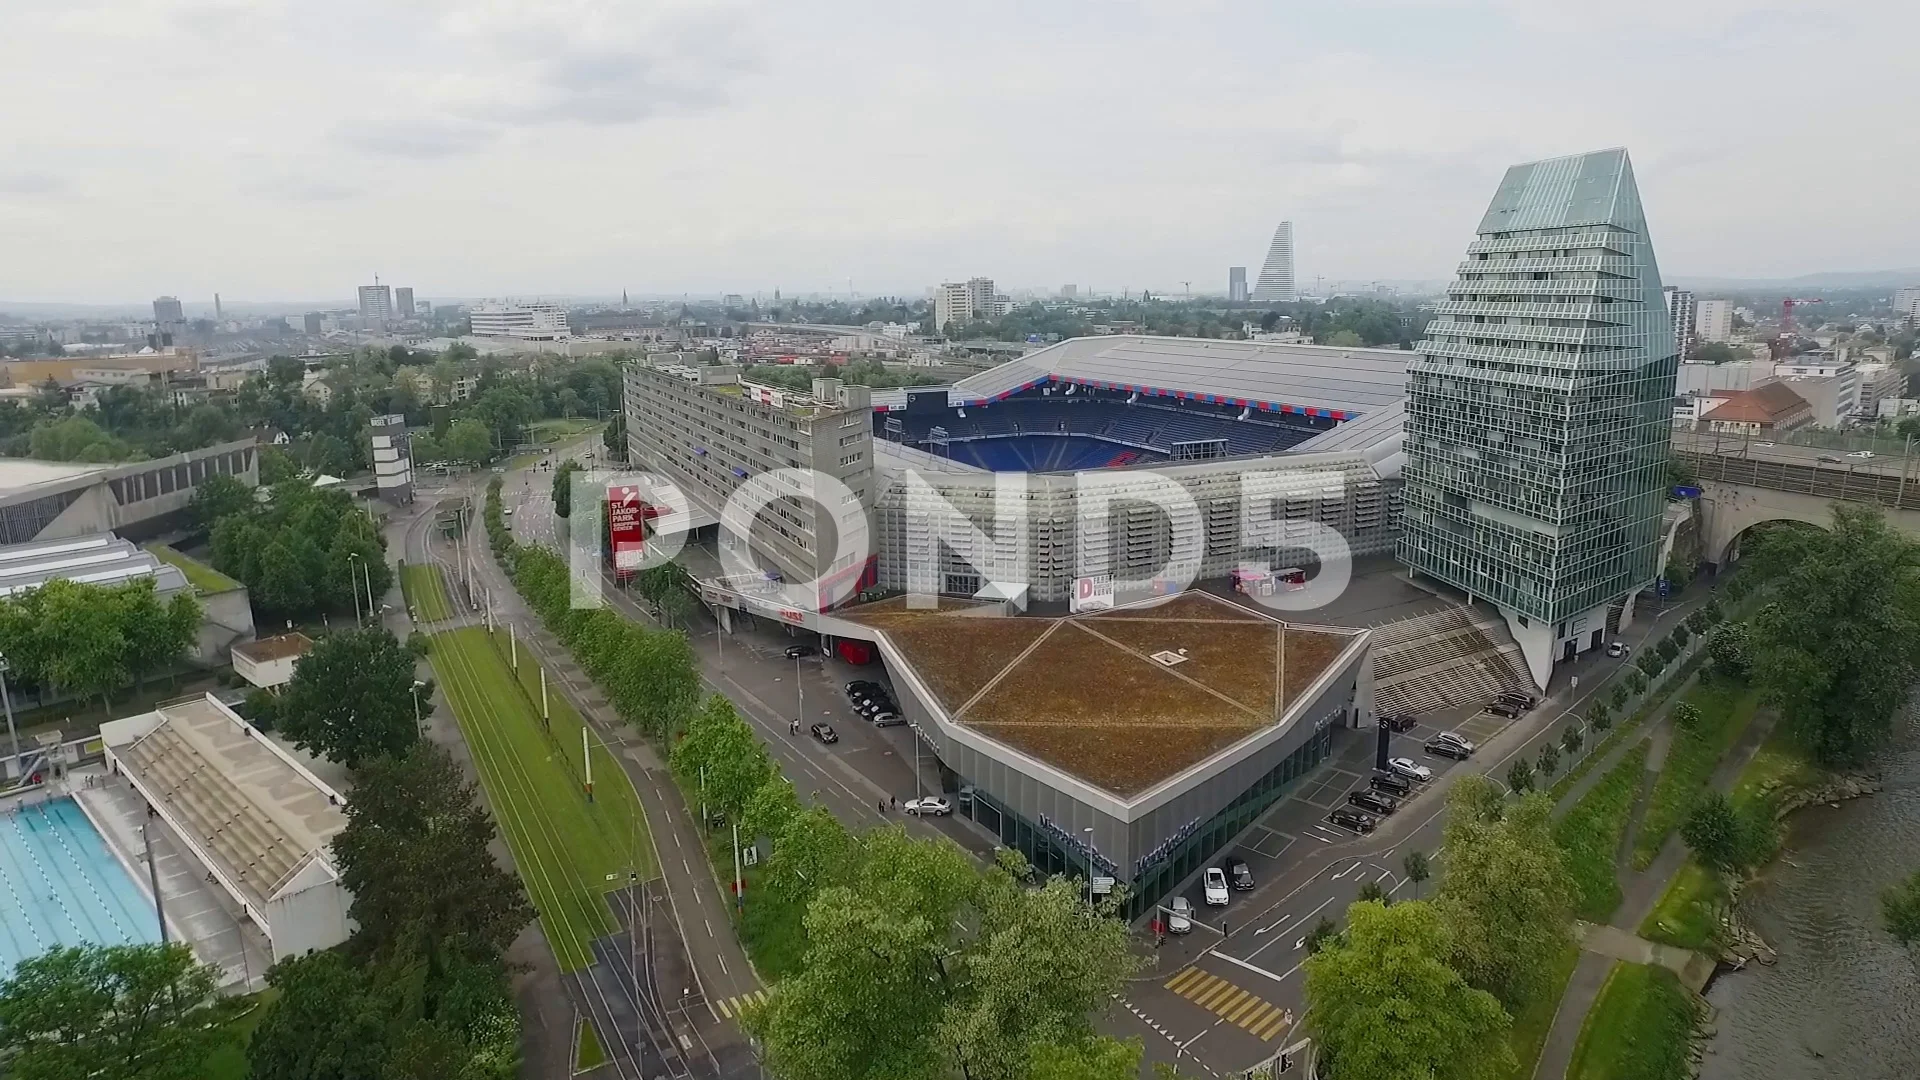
(205, 579)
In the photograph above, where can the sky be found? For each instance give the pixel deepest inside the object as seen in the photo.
(292, 149)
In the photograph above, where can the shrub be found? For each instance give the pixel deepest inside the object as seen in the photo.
(1686, 715)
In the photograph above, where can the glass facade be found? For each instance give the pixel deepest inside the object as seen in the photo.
(1539, 410)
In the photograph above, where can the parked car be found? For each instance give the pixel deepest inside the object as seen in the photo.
(931, 806)
(887, 718)
(1446, 749)
(1373, 802)
(1396, 786)
(1518, 700)
(1349, 818)
(1829, 459)
(1501, 708)
(1240, 874)
(868, 685)
(1214, 885)
(1179, 915)
(1617, 649)
(795, 652)
(1400, 721)
(825, 733)
(1456, 739)
(1410, 769)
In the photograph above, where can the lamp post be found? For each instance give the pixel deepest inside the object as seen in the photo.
(7, 700)
(1090, 867)
(419, 726)
(353, 585)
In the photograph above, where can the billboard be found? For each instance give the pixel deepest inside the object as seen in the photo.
(626, 527)
(1092, 593)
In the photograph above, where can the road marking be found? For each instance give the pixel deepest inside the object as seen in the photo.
(1255, 968)
(733, 1006)
(1234, 1004)
(709, 925)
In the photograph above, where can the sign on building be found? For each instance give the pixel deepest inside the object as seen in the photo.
(626, 527)
(1093, 593)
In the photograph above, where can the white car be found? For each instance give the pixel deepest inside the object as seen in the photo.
(1179, 915)
(1215, 886)
(1410, 769)
(1861, 454)
(1618, 649)
(929, 807)
(1456, 739)
(1763, 446)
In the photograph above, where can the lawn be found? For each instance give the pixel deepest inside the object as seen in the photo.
(1640, 1028)
(587, 1052)
(229, 1062)
(204, 579)
(1726, 708)
(561, 429)
(569, 851)
(1531, 1024)
(426, 592)
(1590, 835)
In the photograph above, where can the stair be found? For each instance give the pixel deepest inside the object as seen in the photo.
(1444, 659)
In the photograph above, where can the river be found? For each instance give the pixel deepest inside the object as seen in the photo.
(1844, 999)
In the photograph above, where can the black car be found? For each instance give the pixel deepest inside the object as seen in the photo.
(1240, 874)
(1373, 802)
(1350, 818)
(1518, 700)
(825, 733)
(1396, 786)
(858, 685)
(795, 652)
(1446, 748)
(1400, 721)
(873, 706)
(1501, 708)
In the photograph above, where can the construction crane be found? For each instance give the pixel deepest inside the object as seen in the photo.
(1786, 313)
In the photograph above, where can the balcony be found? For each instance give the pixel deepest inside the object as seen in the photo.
(1614, 241)
(1569, 264)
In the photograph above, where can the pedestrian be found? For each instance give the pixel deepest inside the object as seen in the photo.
(882, 804)
(894, 801)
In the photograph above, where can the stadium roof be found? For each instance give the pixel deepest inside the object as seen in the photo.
(1314, 380)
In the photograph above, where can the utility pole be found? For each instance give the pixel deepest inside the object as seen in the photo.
(153, 877)
(7, 700)
(586, 755)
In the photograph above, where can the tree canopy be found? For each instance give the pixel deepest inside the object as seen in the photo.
(91, 640)
(351, 697)
(1506, 896)
(303, 552)
(131, 1012)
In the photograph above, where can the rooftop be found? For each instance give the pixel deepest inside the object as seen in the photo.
(19, 474)
(100, 559)
(1122, 699)
(277, 647)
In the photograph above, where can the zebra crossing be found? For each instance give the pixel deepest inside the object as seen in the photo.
(1264, 1020)
(732, 1007)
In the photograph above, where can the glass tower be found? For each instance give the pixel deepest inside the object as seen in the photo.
(1539, 410)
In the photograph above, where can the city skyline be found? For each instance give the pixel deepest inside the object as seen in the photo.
(657, 116)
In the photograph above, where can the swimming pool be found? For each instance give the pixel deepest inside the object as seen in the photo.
(59, 885)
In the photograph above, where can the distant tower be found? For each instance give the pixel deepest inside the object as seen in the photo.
(1276, 275)
(623, 298)
(1237, 284)
(376, 300)
(217, 316)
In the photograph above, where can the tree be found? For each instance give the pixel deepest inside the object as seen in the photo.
(1836, 649)
(1418, 869)
(1636, 684)
(468, 440)
(326, 1024)
(1103, 1058)
(1571, 740)
(1548, 760)
(1520, 776)
(131, 1012)
(1324, 933)
(85, 641)
(1507, 897)
(414, 855)
(1383, 1003)
(1371, 892)
(218, 497)
(156, 634)
(350, 699)
(1730, 647)
(1620, 695)
(1900, 909)
(1713, 833)
(1666, 650)
(1681, 635)
(614, 438)
(563, 488)
(277, 466)
(1600, 716)
(723, 756)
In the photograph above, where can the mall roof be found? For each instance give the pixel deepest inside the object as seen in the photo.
(101, 559)
(1121, 699)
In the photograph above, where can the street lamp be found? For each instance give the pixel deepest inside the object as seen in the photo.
(353, 585)
(7, 700)
(419, 726)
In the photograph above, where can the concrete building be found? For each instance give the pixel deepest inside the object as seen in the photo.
(1276, 274)
(1680, 309)
(1732, 375)
(519, 321)
(1906, 305)
(376, 301)
(403, 303)
(1831, 389)
(713, 434)
(1539, 411)
(961, 302)
(1768, 409)
(310, 322)
(392, 458)
(1069, 292)
(1237, 285)
(1713, 320)
(1878, 382)
(47, 500)
(269, 662)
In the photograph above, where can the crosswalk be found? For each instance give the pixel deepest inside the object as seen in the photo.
(1264, 1020)
(734, 1006)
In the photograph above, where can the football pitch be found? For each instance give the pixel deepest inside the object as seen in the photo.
(426, 593)
(569, 852)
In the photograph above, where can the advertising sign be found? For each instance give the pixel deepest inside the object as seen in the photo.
(626, 527)
(1092, 593)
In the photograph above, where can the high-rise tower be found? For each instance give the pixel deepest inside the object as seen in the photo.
(1276, 274)
(1540, 407)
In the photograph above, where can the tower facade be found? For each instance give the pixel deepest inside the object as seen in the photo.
(1237, 284)
(1680, 309)
(1276, 274)
(1540, 407)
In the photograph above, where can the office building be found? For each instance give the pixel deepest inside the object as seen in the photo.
(376, 301)
(1878, 382)
(1906, 305)
(961, 302)
(403, 303)
(310, 322)
(524, 322)
(166, 310)
(1069, 292)
(1276, 274)
(1680, 310)
(1539, 410)
(1237, 285)
(1830, 388)
(1713, 320)
(392, 458)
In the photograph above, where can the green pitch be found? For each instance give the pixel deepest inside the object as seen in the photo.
(425, 591)
(569, 852)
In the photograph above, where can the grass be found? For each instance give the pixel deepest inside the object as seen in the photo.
(1531, 1024)
(204, 579)
(426, 593)
(769, 929)
(587, 1051)
(568, 851)
(558, 429)
(1624, 726)
(229, 1062)
(1726, 708)
(1590, 835)
(1641, 1028)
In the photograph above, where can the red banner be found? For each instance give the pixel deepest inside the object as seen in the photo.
(626, 528)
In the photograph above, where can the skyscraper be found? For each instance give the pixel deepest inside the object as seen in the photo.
(1539, 410)
(1236, 284)
(403, 303)
(1680, 309)
(376, 301)
(166, 310)
(1713, 320)
(1276, 275)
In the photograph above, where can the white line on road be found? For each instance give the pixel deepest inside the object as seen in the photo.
(1294, 925)
(709, 925)
(1256, 969)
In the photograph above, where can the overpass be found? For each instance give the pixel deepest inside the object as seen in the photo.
(1746, 481)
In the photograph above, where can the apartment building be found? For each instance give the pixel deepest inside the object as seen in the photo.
(1713, 320)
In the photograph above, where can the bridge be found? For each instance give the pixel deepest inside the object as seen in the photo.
(1749, 480)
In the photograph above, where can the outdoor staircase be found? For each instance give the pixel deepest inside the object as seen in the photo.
(1444, 659)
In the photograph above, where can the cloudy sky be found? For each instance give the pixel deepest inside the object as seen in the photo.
(291, 149)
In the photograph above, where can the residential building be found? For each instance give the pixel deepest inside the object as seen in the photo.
(1768, 409)
(1680, 309)
(1878, 381)
(376, 301)
(1713, 320)
(521, 321)
(1539, 410)
(952, 305)
(1276, 274)
(1906, 305)
(169, 323)
(392, 458)
(1237, 285)
(166, 309)
(403, 303)
(311, 321)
